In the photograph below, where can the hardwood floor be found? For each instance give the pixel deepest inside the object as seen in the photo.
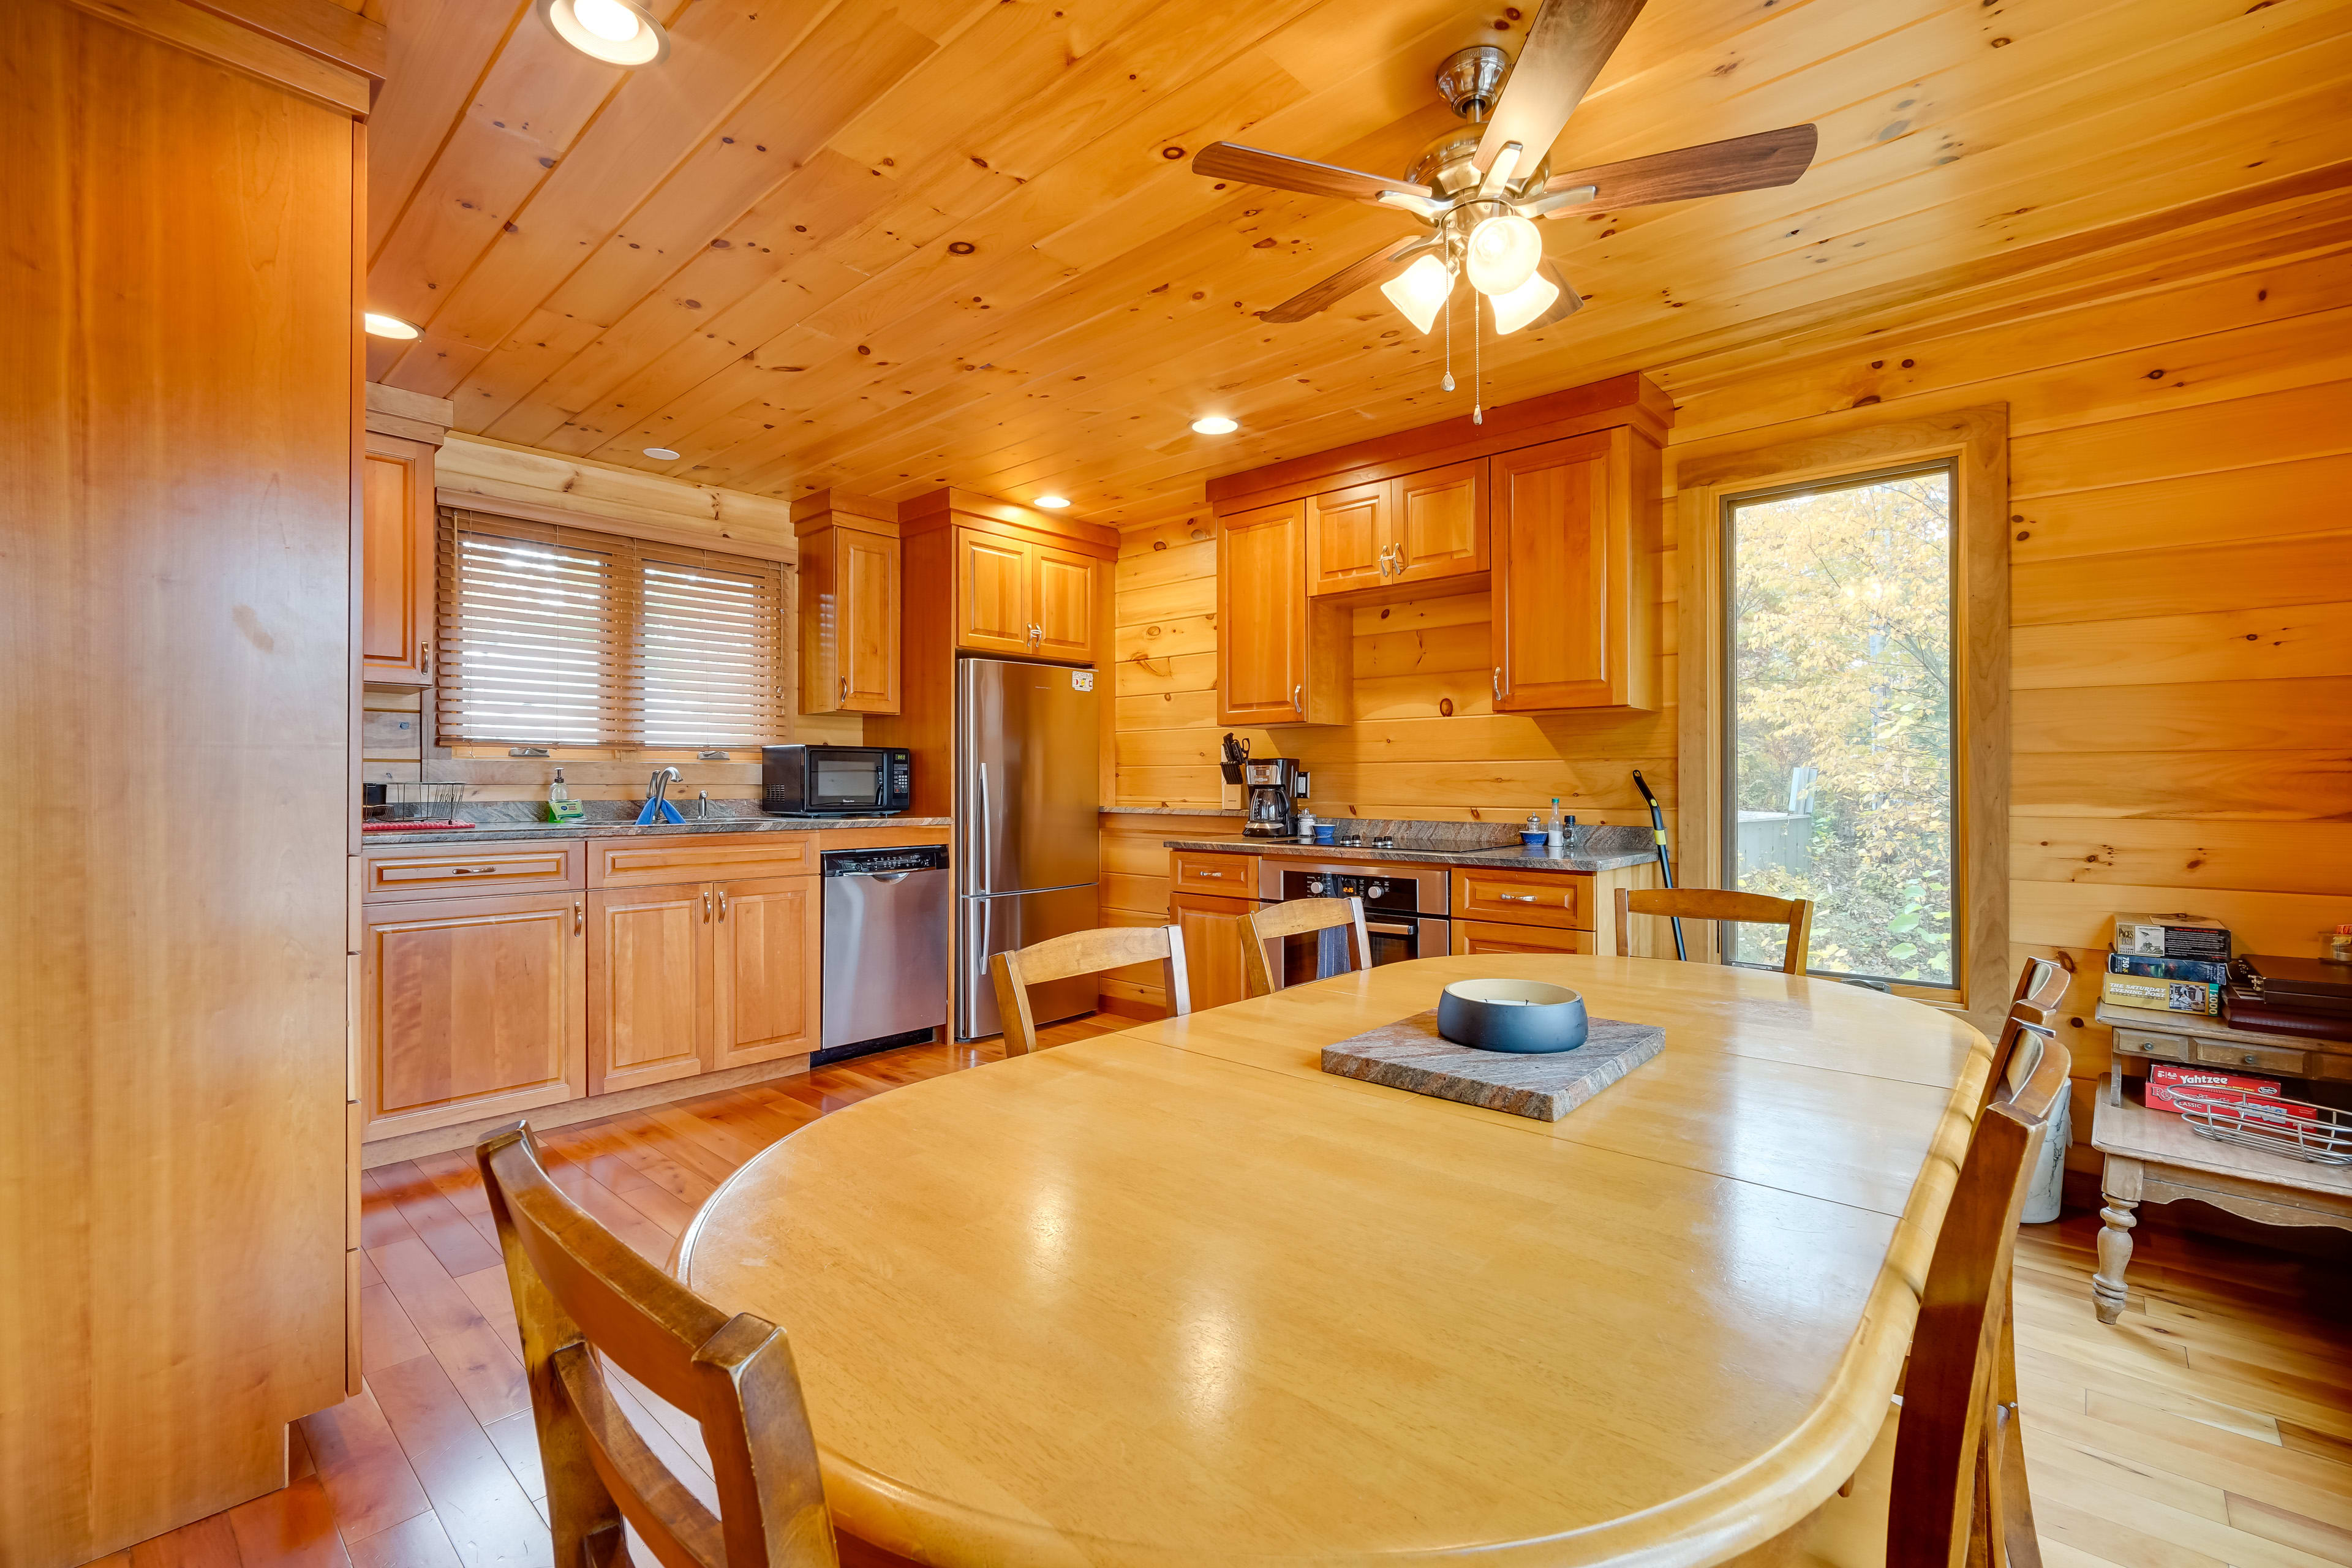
(2212, 1426)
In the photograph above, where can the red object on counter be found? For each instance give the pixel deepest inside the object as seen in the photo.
(417, 826)
(2163, 1076)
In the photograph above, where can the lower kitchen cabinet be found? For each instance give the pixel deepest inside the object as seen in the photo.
(768, 955)
(650, 986)
(1485, 936)
(695, 977)
(471, 1008)
(1214, 935)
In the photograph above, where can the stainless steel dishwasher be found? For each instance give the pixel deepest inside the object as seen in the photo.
(886, 948)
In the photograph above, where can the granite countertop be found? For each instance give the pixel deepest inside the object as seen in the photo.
(1613, 852)
(493, 832)
(1172, 811)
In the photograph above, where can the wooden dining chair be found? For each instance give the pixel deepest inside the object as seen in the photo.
(581, 1293)
(1945, 1484)
(1082, 952)
(1297, 918)
(1716, 904)
(2042, 984)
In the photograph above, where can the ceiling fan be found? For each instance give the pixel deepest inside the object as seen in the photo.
(1476, 188)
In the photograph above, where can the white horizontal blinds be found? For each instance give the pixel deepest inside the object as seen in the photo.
(559, 636)
(706, 649)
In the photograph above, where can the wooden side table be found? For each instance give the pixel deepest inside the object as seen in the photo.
(2153, 1157)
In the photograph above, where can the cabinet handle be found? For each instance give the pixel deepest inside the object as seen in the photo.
(722, 903)
(424, 658)
(1300, 708)
(845, 689)
(706, 906)
(1217, 875)
(579, 916)
(472, 870)
(1498, 683)
(1517, 898)
(2247, 1058)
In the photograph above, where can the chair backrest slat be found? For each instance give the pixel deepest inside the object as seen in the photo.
(1082, 952)
(1298, 916)
(1958, 1472)
(577, 1288)
(1718, 904)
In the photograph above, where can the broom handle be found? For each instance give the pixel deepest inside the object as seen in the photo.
(1666, 866)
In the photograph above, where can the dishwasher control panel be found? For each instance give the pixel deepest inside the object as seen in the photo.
(885, 862)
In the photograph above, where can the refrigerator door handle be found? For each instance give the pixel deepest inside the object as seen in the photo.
(982, 881)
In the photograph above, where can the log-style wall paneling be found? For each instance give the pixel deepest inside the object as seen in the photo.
(178, 404)
(2180, 580)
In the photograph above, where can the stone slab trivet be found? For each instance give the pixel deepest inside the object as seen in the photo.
(1409, 1054)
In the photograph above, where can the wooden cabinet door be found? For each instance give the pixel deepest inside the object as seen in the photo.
(468, 1008)
(1262, 615)
(1350, 535)
(867, 578)
(1440, 526)
(1062, 603)
(648, 985)
(1559, 591)
(396, 562)
(767, 957)
(1213, 934)
(1477, 936)
(992, 593)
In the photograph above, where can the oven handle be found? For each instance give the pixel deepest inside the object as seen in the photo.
(1385, 930)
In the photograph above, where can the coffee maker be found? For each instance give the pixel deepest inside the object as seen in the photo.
(1270, 810)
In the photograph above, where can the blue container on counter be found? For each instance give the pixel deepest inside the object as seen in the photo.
(1325, 832)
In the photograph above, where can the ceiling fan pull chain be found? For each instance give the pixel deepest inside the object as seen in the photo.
(1447, 385)
(1477, 367)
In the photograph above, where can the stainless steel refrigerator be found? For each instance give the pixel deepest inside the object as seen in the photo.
(1028, 844)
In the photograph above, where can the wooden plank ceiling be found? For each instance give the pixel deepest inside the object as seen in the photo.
(890, 246)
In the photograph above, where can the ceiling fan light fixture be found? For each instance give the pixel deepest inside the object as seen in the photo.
(617, 32)
(1523, 303)
(1503, 254)
(1420, 290)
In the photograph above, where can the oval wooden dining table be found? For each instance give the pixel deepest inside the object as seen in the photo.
(1175, 1296)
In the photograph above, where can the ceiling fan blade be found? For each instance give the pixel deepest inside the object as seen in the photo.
(1716, 168)
(1568, 44)
(1251, 165)
(1377, 267)
(1569, 304)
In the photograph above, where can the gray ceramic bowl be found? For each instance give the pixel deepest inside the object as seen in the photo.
(1523, 1015)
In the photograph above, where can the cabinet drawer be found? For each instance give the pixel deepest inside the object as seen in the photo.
(714, 858)
(2261, 1059)
(1531, 897)
(1480, 936)
(493, 869)
(1226, 876)
(2155, 1047)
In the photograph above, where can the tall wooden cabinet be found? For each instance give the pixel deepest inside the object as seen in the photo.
(182, 518)
(852, 585)
(1551, 508)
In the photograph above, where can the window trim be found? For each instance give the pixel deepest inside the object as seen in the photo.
(1975, 441)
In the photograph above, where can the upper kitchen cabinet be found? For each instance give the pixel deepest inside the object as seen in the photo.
(1282, 651)
(1550, 507)
(1397, 538)
(405, 431)
(1575, 583)
(851, 581)
(1017, 582)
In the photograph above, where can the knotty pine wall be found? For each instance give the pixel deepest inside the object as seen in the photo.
(2180, 461)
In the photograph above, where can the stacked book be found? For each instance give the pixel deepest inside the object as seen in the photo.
(2168, 964)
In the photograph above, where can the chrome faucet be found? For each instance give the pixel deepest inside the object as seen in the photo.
(657, 787)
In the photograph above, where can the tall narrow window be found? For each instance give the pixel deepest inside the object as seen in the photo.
(1839, 743)
(559, 636)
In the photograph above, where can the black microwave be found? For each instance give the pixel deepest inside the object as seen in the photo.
(835, 781)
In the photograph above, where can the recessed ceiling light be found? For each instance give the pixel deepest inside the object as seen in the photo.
(1215, 425)
(1053, 503)
(662, 453)
(379, 325)
(618, 32)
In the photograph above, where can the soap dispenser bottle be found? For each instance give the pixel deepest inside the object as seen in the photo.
(561, 806)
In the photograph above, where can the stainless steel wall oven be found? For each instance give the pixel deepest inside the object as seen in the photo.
(1404, 911)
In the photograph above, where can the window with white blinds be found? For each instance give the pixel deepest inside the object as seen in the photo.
(553, 635)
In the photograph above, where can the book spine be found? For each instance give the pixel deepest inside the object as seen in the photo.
(2210, 971)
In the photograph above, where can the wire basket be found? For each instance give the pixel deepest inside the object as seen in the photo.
(2294, 1127)
(421, 801)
